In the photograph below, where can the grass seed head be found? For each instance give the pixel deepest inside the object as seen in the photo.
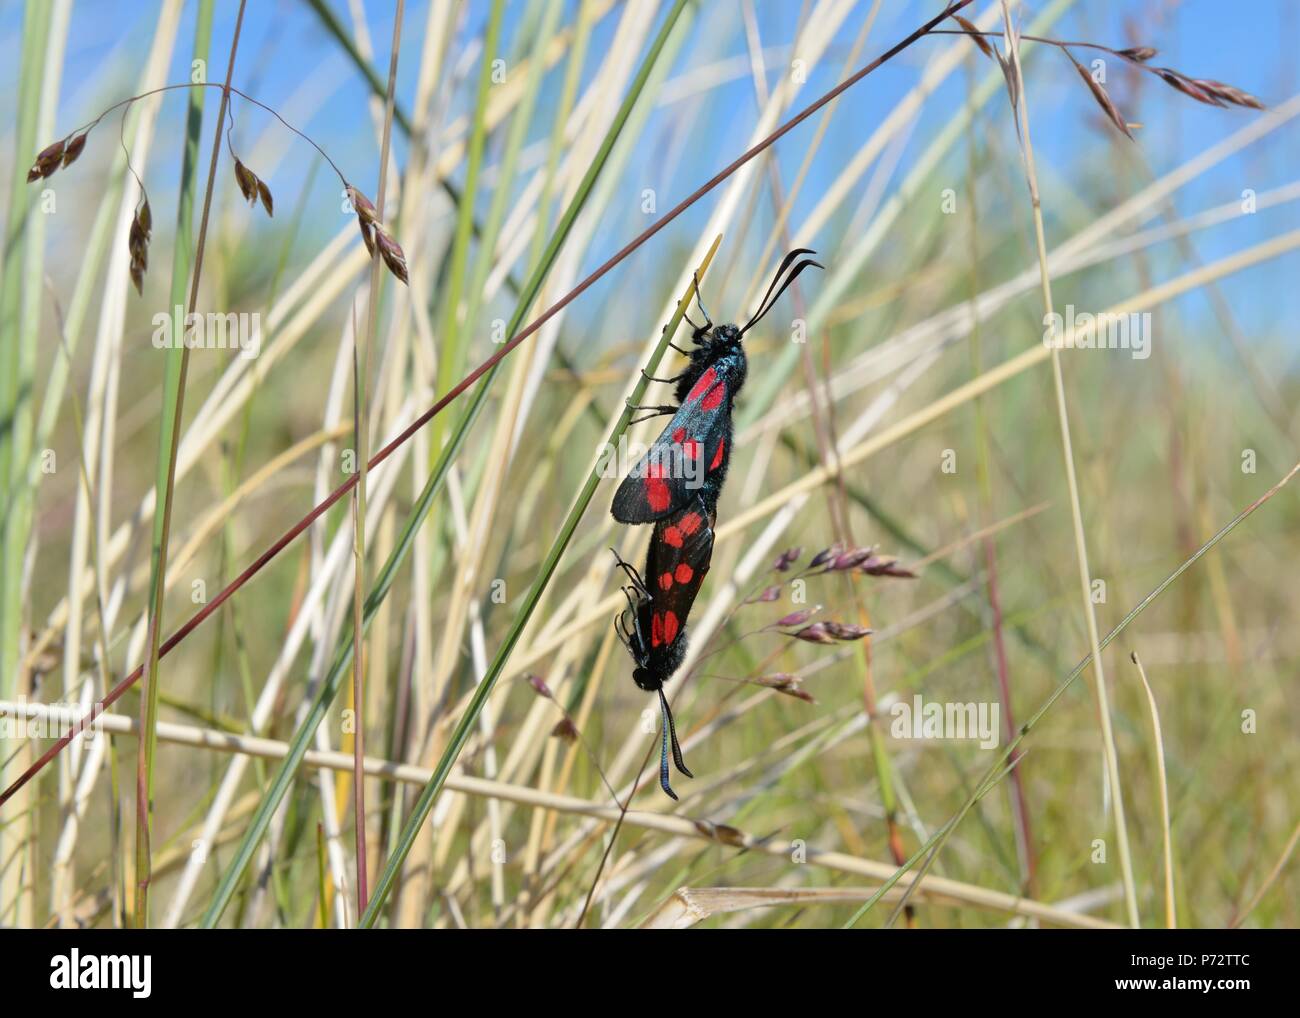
(846, 632)
(1230, 93)
(885, 566)
(367, 234)
(816, 633)
(1188, 87)
(796, 618)
(1103, 100)
(788, 558)
(975, 36)
(365, 211)
(73, 150)
(824, 556)
(252, 187)
(391, 252)
(264, 193)
(787, 684)
(47, 161)
(138, 244)
(1139, 53)
(849, 560)
(539, 685)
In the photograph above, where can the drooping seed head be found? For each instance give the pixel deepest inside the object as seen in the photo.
(46, 162)
(73, 150)
(392, 253)
(796, 618)
(365, 211)
(264, 193)
(787, 558)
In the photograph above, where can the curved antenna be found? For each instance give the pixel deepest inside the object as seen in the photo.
(785, 264)
(669, 732)
(770, 299)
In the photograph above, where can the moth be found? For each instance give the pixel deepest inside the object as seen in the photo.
(676, 486)
(653, 625)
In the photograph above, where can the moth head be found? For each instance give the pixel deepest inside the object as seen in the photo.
(726, 335)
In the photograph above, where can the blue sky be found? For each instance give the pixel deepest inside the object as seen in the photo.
(1251, 44)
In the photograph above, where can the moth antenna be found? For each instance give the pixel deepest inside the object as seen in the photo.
(785, 264)
(671, 730)
(663, 749)
(794, 274)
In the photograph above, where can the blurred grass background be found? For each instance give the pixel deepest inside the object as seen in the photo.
(912, 190)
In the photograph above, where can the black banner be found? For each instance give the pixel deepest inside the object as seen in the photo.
(139, 968)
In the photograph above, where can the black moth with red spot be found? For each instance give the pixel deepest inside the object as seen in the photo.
(653, 626)
(676, 486)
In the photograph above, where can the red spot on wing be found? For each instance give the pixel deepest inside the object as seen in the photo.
(673, 537)
(657, 494)
(689, 523)
(691, 449)
(670, 626)
(683, 574)
(678, 435)
(717, 456)
(713, 398)
(699, 388)
(666, 581)
(657, 629)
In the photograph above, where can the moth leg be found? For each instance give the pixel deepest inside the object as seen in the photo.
(685, 353)
(638, 584)
(651, 378)
(620, 630)
(655, 411)
(700, 303)
(699, 333)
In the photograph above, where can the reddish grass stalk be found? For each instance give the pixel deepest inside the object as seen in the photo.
(1021, 803)
(317, 511)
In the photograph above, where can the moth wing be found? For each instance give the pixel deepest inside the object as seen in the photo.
(681, 550)
(668, 476)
